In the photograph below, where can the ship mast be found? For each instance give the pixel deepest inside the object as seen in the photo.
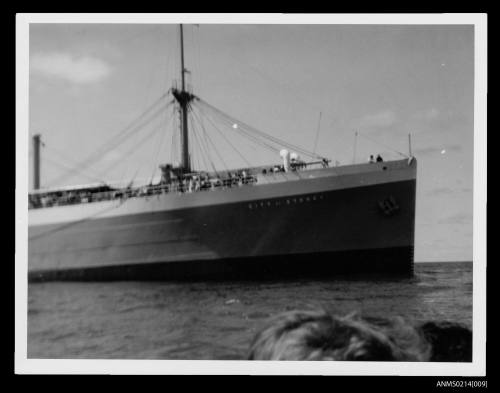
(36, 161)
(183, 98)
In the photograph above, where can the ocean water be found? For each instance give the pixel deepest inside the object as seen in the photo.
(144, 320)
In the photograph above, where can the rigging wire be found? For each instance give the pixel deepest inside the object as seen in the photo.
(160, 145)
(204, 144)
(134, 147)
(133, 125)
(240, 129)
(248, 135)
(317, 133)
(138, 127)
(229, 143)
(67, 167)
(70, 163)
(197, 40)
(215, 149)
(118, 139)
(127, 131)
(203, 154)
(355, 146)
(173, 149)
(275, 140)
(198, 154)
(252, 137)
(381, 144)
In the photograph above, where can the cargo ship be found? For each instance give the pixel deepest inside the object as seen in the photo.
(295, 218)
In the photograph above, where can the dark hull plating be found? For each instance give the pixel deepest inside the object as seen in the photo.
(354, 263)
(363, 229)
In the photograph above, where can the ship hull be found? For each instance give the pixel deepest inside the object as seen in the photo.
(343, 223)
(385, 263)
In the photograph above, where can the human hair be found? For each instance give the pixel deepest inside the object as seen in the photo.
(450, 342)
(318, 335)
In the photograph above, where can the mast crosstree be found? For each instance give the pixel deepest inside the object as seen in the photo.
(184, 99)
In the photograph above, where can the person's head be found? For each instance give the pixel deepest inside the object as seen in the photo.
(317, 335)
(450, 342)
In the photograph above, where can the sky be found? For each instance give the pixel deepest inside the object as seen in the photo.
(311, 85)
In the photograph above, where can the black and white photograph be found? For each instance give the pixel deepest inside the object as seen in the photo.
(226, 188)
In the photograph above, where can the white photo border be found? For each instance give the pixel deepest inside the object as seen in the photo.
(477, 367)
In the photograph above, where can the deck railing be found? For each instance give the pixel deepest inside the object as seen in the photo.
(63, 198)
(193, 184)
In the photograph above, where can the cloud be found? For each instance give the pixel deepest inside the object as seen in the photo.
(76, 69)
(382, 119)
(433, 120)
(436, 150)
(428, 115)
